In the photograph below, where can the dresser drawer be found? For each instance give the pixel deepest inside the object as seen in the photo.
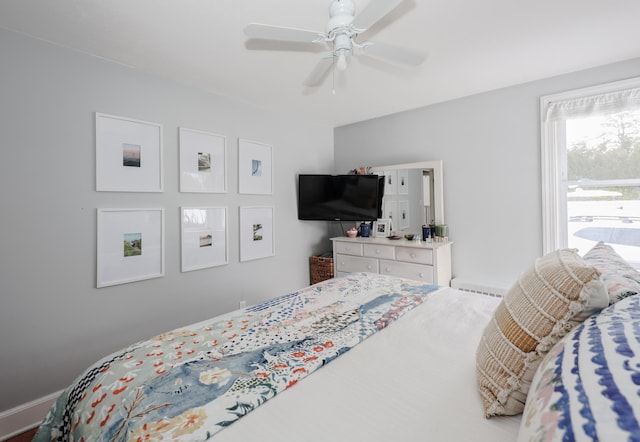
(347, 263)
(348, 248)
(414, 254)
(418, 272)
(379, 251)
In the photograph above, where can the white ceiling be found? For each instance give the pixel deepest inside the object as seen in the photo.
(472, 46)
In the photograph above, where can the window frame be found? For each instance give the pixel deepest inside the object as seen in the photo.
(554, 162)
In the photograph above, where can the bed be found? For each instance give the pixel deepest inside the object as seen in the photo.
(372, 357)
(364, 356)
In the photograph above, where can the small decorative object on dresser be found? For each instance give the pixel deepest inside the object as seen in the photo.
(427, 262)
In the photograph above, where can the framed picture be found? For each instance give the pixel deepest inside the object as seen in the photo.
(390, 182)
(403, 182)
(130, 245)
(204, 237)
(255, 168)
(382, 228)
(203, 162)
(256, 233)
(128, 155)
(403, 221)
(391, 210)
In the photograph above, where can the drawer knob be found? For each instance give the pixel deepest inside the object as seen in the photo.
(421, 275)
(387, 269)
(413, 255)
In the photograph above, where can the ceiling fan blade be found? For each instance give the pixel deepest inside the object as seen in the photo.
(373, 12)
(394, 54)
(319, 72)
(269, 32)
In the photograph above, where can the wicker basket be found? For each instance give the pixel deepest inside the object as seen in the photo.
(320, 268)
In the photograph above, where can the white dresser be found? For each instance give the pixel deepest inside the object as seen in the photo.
(419, 260)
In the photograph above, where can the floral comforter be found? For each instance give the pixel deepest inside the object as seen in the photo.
(189, 383)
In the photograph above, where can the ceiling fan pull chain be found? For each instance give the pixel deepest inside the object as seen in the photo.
(333, 80)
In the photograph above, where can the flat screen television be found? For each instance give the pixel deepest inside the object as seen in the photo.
(340, 197)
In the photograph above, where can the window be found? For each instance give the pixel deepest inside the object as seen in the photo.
(591, 169)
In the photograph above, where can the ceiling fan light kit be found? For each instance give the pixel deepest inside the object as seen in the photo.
(341, 30)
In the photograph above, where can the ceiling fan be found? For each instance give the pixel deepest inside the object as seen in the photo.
(341, 32)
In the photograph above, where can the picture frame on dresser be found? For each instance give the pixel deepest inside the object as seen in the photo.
(128, 155)
(382, 228)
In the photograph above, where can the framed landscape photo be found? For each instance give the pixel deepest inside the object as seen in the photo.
(130, 245)
(256, 233)
(203, 161)
(128, 155)
(255, 168)
(204, 237)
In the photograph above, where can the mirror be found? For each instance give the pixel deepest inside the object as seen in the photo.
(413, 194)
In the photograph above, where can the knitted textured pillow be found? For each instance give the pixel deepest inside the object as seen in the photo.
(556, 294)
(620, 279)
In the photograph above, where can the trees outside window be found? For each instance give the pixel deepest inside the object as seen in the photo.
(603, 183)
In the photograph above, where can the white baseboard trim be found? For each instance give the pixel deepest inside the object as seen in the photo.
(26, 416)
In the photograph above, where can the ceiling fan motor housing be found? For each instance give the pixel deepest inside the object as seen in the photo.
(341, 13)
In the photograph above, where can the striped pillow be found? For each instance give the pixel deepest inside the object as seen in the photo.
(587, 387)
(556, 294)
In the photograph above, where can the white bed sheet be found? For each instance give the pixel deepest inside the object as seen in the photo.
(413, 381)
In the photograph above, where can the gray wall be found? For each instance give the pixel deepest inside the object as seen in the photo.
(53, 321)
(490, 145)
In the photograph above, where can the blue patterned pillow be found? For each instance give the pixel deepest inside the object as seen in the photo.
(588, 385)
(618, 276)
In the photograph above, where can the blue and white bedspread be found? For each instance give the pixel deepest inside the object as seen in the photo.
(588, 386)
(190, 383)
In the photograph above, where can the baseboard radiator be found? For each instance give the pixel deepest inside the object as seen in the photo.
(483, 288)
